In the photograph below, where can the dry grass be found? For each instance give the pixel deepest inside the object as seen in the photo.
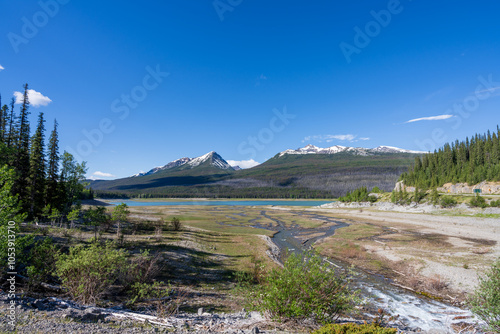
(481, 251)
(353, 251)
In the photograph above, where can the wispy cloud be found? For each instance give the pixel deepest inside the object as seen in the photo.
(490, 90)
(431, 118)
(2, 68)
(102, 174)
(244, 164)
(36, 99)
(330, 138)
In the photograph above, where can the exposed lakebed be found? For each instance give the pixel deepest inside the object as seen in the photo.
(410, 311)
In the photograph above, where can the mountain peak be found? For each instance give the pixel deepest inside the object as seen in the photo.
(215, 160)
(311, 149)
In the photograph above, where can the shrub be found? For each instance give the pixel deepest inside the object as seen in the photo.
(142, 269)
(495, 204)
(43, 257)
(485, 301)
(355, 329)
(448, 202)
(175, 223)
(88, 271)
(478, 202)
(304, 287)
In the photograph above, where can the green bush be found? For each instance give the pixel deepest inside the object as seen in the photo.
(478, 202)
(354, 329)
(485, 301)
(88, 271)
(304, 287)
(42, 259)
(447, 202)
(495, 204)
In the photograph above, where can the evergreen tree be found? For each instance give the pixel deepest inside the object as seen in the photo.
(12, 133)
(471, 161)
(22, 160)
(52, 195)
(37, 170)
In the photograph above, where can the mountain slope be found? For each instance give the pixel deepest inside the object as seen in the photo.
(182, 172)
(311, 174)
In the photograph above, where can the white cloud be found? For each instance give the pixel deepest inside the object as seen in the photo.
(364, 138)
(243, 163)
(102, 174)
(36, 98)
(2, 68)
(431, 118)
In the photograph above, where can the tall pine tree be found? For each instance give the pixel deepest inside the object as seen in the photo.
(22, 160)
(52, 194)
(37, 169)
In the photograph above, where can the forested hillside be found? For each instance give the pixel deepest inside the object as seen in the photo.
(471, 161)
(287, 176)
(39, 179)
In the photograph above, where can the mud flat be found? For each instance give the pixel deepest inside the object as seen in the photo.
(438, 245)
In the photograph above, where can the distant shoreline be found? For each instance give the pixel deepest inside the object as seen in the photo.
(213, 199)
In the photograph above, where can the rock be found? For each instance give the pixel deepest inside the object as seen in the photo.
(200, 311)
(39, 305)
(255, 330)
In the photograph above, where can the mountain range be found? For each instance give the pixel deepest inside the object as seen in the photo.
(309, 171)
(218, 162)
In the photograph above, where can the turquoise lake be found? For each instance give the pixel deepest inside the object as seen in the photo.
(223, 202)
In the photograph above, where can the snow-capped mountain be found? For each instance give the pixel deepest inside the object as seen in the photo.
(311, 149)
(214, 159)
(172, 164)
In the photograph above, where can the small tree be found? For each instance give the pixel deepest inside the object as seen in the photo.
(175, 223)
(73, 216)
(485, 301)
(96, 217)
(119, 216)
(54, 216)
(434, 198)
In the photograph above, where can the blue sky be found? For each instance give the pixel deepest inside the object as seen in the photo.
(135, 86)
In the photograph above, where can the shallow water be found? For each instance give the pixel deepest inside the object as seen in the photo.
(223, 203)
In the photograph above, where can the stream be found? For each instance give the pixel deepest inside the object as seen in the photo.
(413, 312)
